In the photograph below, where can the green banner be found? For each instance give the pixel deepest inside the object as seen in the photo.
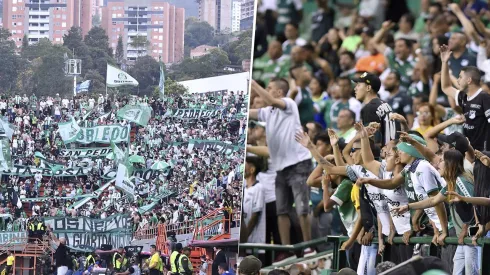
(90, 234)
(86, 152)
(5, 156)
(30, 171)
(6, 237)
(197, 113)
(41, 199)
(138, 113)
(103, 134)
(214, 145)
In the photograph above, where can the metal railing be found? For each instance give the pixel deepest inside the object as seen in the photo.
(339, 257)
(146, 233)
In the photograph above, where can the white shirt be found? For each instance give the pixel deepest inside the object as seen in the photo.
(425, 180)
(254, 202)
(282, 125)
(268, 180)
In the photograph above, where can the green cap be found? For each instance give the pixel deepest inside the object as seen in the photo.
(409, 149)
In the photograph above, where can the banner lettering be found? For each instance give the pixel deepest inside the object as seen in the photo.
(90, 234)
(197, 113)
(103, 134)
(86, 152)
(30, 171)
(214, 145)
(6, 237)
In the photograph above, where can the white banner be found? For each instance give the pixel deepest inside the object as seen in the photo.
(86, 152)
(117, 78)
(122, 181)
(103, 134)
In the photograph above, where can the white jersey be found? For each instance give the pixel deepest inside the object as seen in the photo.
(375, 194)
(395, 198)
(420, 180)
(254, 202)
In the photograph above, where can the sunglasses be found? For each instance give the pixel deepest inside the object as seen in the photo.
(354, 149)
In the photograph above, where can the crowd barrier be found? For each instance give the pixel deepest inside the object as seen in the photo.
(339, 257)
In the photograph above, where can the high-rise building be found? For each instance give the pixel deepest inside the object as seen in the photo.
(247, 14)
(236, 15)
(49, 19)
(147, 27)
(218, 13)
(84, 10)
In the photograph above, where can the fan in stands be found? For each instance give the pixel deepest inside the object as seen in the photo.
(183, 180)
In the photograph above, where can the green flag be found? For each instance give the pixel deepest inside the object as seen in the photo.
(69, 130)
(118, 153)
(139, 114)
(5, 155)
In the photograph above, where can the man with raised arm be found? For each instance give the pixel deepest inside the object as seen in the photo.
(474, 102)
(292, 161)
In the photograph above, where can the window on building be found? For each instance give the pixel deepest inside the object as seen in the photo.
(14, 1)
(63, 24)
(160, 37)
(14, 16)
(160, 44)
(160, 51)
(14, 8)
(63, 16)
(113, 22)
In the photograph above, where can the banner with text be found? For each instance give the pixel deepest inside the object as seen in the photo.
(197, 113)
(6, 237)
(145, 174)
(86, 152)
(214, 145)
(30, 171)
(103, 134)
(90, 234)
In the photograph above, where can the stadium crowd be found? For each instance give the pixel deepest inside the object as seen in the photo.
(370, 120)
(197, 181)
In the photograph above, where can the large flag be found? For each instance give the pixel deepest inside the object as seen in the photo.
(117, 77)
(5, 155)
(119, 155)
(139, 114)
(69, 130)
(54, 166)
(5, 128)
(83, 87)
(161, 85)
(14, 197)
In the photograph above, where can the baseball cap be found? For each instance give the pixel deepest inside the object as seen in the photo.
(250, 265)
(369, 79)
(409, 149)
(456, 140)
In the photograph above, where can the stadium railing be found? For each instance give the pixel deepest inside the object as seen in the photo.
(339, 257)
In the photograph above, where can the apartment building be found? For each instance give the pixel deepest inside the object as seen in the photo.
(236, 15)
(218, 13)
(160, 23)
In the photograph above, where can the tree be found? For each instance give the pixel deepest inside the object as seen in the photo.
(239, 49)
(171, 87)
(97, 82)
(205, 66)
(49, 78)
(73, 40)
(197, 33)
(97, 38)
(139, 42)
(147, 71)
(96, 20)
(25, 42)
(100, 60)
(119, 51)
(12, 64)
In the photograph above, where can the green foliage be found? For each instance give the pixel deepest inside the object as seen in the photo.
(48, 77)
(140, 42)
(12, 64)
(147, 71)
(205, 66)
(97, 84)
(119, 51)
(97, 38)
(96, 20)
(171, 87)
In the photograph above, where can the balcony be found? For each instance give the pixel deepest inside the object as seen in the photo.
(39, 28)
(39, 12)
(38, 19)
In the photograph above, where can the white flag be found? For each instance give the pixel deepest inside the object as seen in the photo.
(117, 78)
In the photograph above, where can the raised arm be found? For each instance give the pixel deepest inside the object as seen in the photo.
(376, 41)
(434, 131)
(447, 87)
(473, 200)
(367, 154)
(269, 100)
(315, 178)
(385, 183)
(262, 151)
(424, 204)
(426, 152)
(334, 139)
(468, 27)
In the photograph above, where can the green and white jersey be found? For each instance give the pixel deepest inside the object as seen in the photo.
(450, 113)
(465, 188)
(332, 111)
(402, 67)
(395, 198)
(424, 179)
(347, 211)
(417, 88)
(287, 11)
(264, 68)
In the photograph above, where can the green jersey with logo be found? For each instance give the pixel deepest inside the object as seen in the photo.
(287, 13)
(403, 67)
(265, 69)
(305, 108)
(465, 188)
(347, 211)
(418, 88)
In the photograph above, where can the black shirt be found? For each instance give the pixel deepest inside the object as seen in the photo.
(61, 256)
(476, 110)
(321, 22)
(401, 103)
(379, 111)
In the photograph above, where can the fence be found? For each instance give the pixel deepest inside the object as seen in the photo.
(339, 257)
